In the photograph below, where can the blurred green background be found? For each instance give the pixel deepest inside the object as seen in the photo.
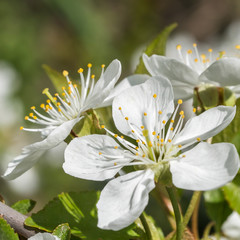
(69, 34)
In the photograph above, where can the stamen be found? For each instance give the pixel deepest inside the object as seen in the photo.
(180, 101)
(194, 110)
(126, 118)
(80, 70)
(154, 95)
(145, 114)
(65, 73)
(198, 139)
(89, 65)
(237, 47)
(116, 147)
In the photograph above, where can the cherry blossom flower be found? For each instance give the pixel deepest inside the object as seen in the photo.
(160, 144)
(194, 69)
(63, 112)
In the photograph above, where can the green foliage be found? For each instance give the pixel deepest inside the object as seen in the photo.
(57, 79)
(232, 132)
(217, 207)
(232, 193)
(157, 46)
(24, 206)
(6, 232)
(79, 211)
(62, 231)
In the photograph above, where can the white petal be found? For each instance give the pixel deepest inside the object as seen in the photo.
(44, 236)
(82, 157)
(31, 153)
(124, 84)
(206, 124)
(205, 167)
(231, 226)
(172, 69)
(137, 100)
(123, 199)
(104, 86)
(224, 71)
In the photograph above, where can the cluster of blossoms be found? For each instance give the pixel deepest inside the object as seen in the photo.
(159, 145)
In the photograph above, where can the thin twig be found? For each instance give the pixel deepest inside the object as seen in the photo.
(15, 220)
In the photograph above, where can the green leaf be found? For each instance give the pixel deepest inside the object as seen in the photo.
(232, 132)
(24, 206)
(79, 211)
(157, 46)
(217, 207)
(63, 231)
(6, 232)
(231, 192)
(57, 79)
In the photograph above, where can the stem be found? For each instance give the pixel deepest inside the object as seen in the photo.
(146, 226)
(15, 220)
(195, 218)
(178, 215)
(192, 208)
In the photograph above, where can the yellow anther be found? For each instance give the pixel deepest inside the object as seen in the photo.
(100, 153)
(58, 104)
(194, 45)
(136, 148)
(126, 118)
(33, 107)
(115, 164)
(159, 112)
(209, 50)
(93, 76)
(203, 56)
(35, 117)
(189, 51)
(158, 136)
(162, 140)
(136, 154)
(181, 112)
(180, 101)
(137, 140)
(178, 47)
(63, 88)
(119, 108)
(158, 144)
(30, 114)
(21, 128)
(161, 144)
(69, 83)
(47, 106)
(143, 143)
(69, 92)
(179, 145)
(171, 128)
(143, 155)
(59, 109)
(48, 101)
(89, 65)
(154, 133)
(103, 66)
(183, 156)
(75, 85)
(133, 131)
(26, 118)
(55, 99)
(65, 73)
(172, 121)
(145, 114)
(150, 144)
(122, 137)
(142, 127)
(237, 47)
(194, 110)
(42, 105)
(116, 147)
(195, 60)
(102, 126)
(56, 94)
(115, 135)
(182, 116)
(163, 121)
(80, 70)
(169, 140)
(198, 139)
(154, 95)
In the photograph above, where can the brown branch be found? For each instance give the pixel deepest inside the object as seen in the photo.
(15, 220)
